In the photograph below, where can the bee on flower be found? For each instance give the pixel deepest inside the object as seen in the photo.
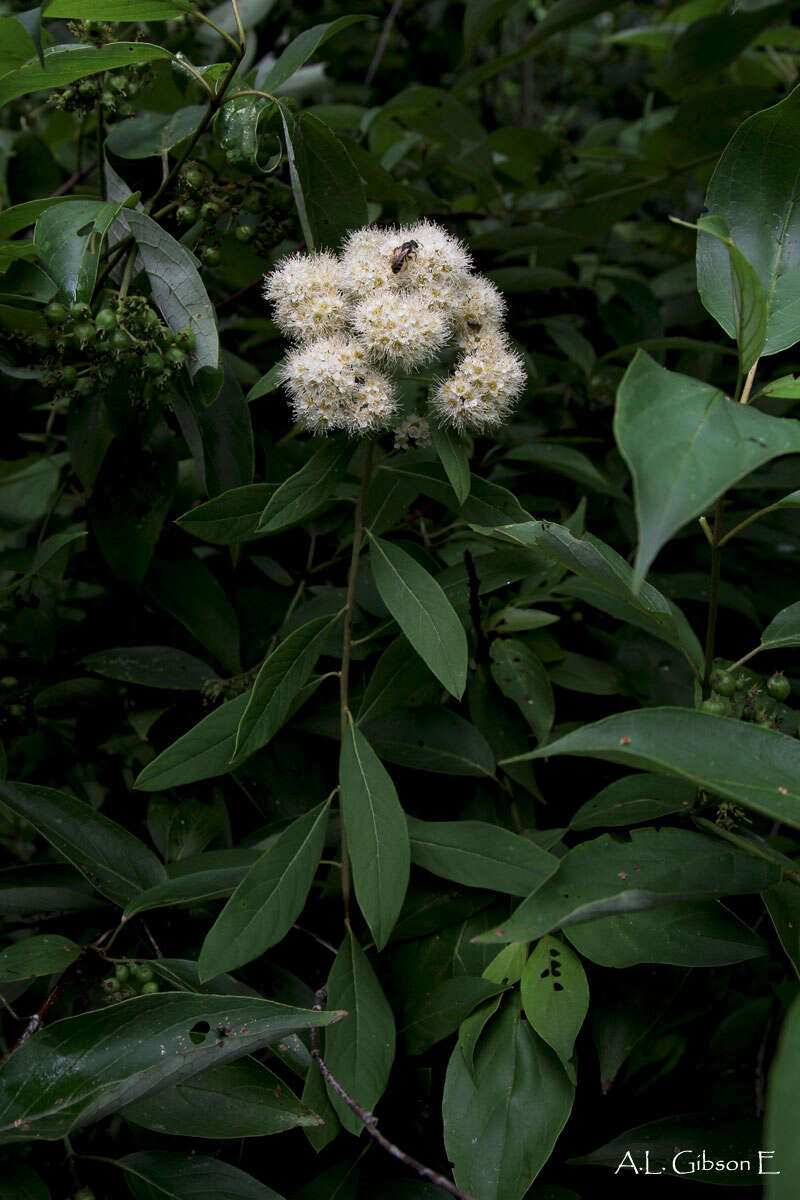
(393, 302)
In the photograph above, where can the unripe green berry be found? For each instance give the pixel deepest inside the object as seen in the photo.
(122, 972)
(243, 233)
(210, 255)
(84, 1193)
(107, 98)
(112, 984)
(175, 357)
(87, 88)
(79, 311)
(193, 175)
(145, 972)
(153, 361)
(121, 340)
(84, 385)
(106, 319)
(779, 687)
(149, 988)
(185, 339)
(119, 84)
(55, 313)
(16, 710)
(9, 681)
(723, 683)
(209, 212)
(186, 214)
(85, 332)
(716, 706)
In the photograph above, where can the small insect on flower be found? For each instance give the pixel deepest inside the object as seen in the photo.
(401, 255)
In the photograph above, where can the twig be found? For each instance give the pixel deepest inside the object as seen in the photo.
(474, 582)
(37, 1020)
(383, 42)
(370, 1121)
(74, 178)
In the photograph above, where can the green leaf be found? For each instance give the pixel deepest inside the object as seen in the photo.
(519, 674)
(182, 584)
(607, 582)
(44, 889)
(779, 1136)
(633, 799)
(117, 10)
(567, 461)
(38, 955)
(706, 444)
(42, 555)
(229, 518)
(301, 49)
(656, 866)
(331, 186)
(20, 1183)
(396, 679)
(443, 1008)
(766, 228)
(453, 453)
(129, 504)
(308, 489)
(149, 134)
(703, 934)
(202, 753)
(555, 995)
(237, 1100)
(477, 854)
(755, 767)
(269, 899)
(267, 383)
(64, 64)
(16, 48)
(155, 1174)
(278, 682)
(722, 1137)
(78, 1070)
(423, 612)
(501, 1119)
(69, 238)
(179, 292)
(749, 303)
(487, 504)
(377, 834)
(359, 1051)
(153, 666)
(196, 887)
(783, 630)
(116, 863)
(432, 739)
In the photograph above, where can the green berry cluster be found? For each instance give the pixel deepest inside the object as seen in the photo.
(86, 352)
(129, 980)
(742, 695)
(250, 211)
(113, 92)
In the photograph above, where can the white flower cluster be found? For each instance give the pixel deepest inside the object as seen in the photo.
(392, 301)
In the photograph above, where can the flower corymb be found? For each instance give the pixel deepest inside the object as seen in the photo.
(394, 301)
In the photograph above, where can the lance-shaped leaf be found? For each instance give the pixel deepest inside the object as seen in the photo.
(194, 887)
(230, 517)
(115, 862)
(181, 296)
(160, 1173)
(80, 1069)
(606, 581)
(377, 834)
(423, 612)
(753, 766)
(300, 50)
(502, 1118)
(657, 866)
(63, 64)
(759, 164)
(201, 753)
(308, 489)
(239, 1099)
(780, 1132)
(783, 630)
(360, 1050)
(555, 995)
(749, 302)
(478, 854)
(705, 443)
(277, 684)
(69, 238)
(38, 955)
(269, 899)
(453, 453)
(521, 677)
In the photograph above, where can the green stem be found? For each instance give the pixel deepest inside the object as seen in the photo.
(713, 597)
(749, 847)
(347, 645)
(762, 512)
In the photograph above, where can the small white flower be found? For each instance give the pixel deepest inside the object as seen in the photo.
(438, 257)
(483, 387)
(478, 309)
(366, 263)
(306, 296)
(414, 431)
(400, 327)
(332, 386)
